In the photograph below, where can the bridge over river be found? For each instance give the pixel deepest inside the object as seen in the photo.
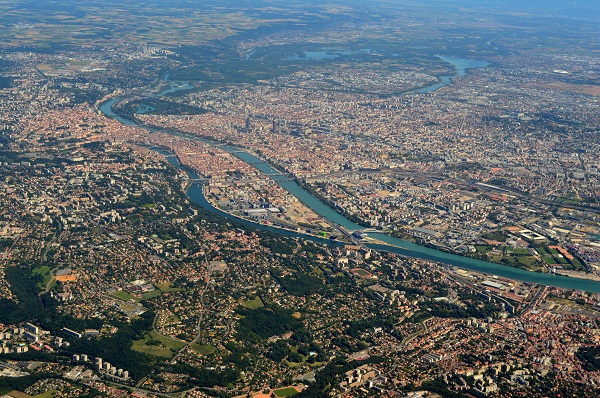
(379, 241)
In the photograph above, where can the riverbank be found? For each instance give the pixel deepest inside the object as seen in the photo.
(392, 244)
(579, 275)
(460, 66)
(410, 249)
(270, 225)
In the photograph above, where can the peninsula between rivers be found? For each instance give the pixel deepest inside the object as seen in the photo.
(212, 199)
(286, 206)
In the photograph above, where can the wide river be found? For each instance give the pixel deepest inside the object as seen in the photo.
(460, 65)
(394, 245)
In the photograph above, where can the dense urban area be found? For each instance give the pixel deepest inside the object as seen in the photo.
(268, 199)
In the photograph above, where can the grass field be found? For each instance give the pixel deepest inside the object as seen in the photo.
(167, 287)
(151, 295)
(157, 345)
(577, 265)
(253, 304)
(203, 349)
(124, 296)
(361, 272)
(482, 249)
(522, 252)
(44, 271)
(527, 261)
(286, 392)
(47, 394)
(173, 319)
(293, 365)
(495, 259)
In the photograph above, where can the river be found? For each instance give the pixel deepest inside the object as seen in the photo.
(292, 187)
(394, 245)
(460, 65)
(196, 194)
